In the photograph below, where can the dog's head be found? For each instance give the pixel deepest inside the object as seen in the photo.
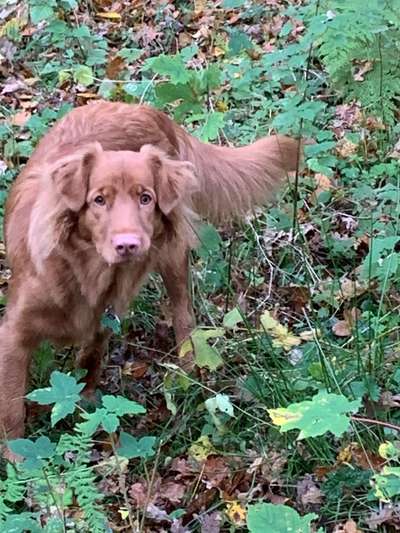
(121, 196)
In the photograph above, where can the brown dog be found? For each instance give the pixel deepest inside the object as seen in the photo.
(110, 194)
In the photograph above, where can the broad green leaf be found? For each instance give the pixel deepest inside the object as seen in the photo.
(389, 451)
(131, 447)
(268, 517)
(172, 66)
(213, 123)
(210, 241)
(239, 41)
(201, 448)
(221, 403)
(83, 75)
(122, 406)
(387, 483)
(325, 412)
(232, 4)
(32, 451)
(93, 421)
(206, 355)
(64, 393)
(130, 54)
(41, 11)
(21, 522)
(232, 318)
(169, 92)
(111, 321)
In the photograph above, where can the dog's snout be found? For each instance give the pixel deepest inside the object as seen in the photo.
(126, 244)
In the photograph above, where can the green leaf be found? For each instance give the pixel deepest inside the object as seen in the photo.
(64, 393)
(93, 421)
(169, 92)
(83, 75)
(325, 412)
(19, 523)
(111, 321)
(389, 451)
(41, 11)
(263, 517)
(131, 447)
(239, 41)
(32, 451)
(206, 355)
(221, 403)
(232, 318)
(214, 122)
(232, 4)
(172, 66)
(210, 241)
(130, 54)
(387, 484)
(122, 406)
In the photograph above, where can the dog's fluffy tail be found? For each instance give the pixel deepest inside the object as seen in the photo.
(233, 180)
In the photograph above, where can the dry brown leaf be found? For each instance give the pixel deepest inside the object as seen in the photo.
(308, 493)
(346, 148)
(354, 453)
(109, 15)
(211, 523)
(215, 470)
(114, 67)
(173, 492)
(341, 329)
(20, 118)
(349, 527)
(361, 69)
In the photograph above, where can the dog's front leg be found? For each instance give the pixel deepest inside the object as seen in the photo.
(174, 268)
(90, 357)
(16, 348)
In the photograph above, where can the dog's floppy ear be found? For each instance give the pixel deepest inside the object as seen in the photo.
(70, 175)
(174, 180)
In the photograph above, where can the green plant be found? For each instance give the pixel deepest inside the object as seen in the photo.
(57, 473)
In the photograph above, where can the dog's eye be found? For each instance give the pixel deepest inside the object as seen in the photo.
(146, 198)
(99, 200)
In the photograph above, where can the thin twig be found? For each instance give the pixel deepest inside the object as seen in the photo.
(376, 422)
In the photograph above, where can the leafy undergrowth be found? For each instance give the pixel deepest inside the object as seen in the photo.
(291, 421)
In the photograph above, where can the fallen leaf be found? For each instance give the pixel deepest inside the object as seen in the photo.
(343, 328)
(109, 15)
(114, 67)
(210, 523)
(201, 448)
(349, 527)
(215, 470)
(281, 337)
(236, 513)
(173, 492)
(308, 493)
(361, 68)
(20, 118)
(346, 148)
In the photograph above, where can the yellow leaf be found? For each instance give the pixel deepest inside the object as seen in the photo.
(281, 416)
(236, 513)
(110, 15)
(267, 321)
(124, 513)
(186, 347)
(281, 336)
(345, 455)
(201, 448)
(222, 106)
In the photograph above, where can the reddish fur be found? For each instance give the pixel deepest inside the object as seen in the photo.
(61, 280)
